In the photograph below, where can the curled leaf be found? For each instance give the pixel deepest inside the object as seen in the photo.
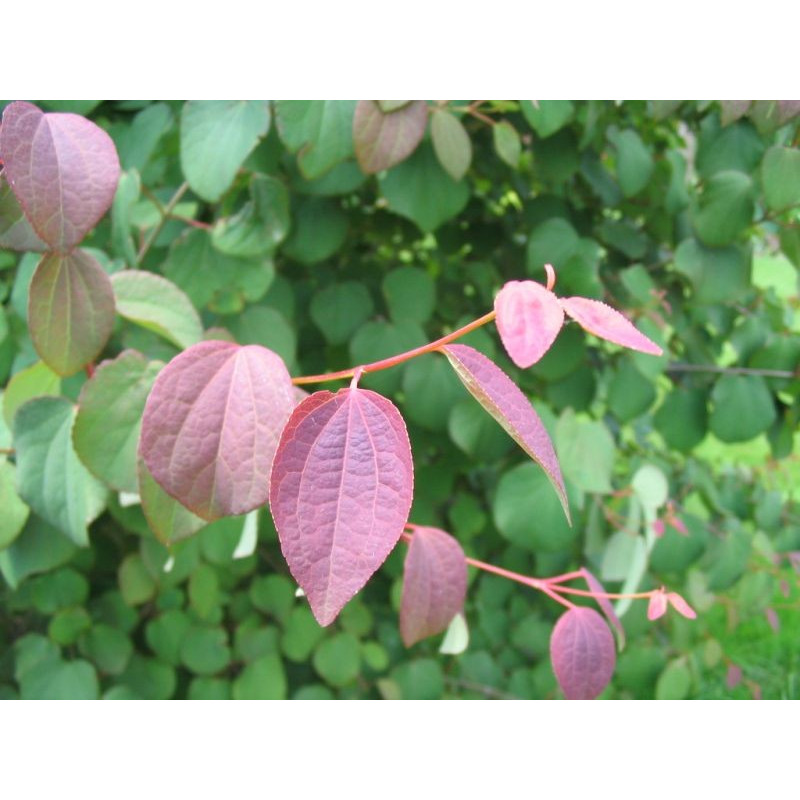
(529, 318)
(582, 653)
(434, 584)
(340, 493)
(211, 426)
(603, 321)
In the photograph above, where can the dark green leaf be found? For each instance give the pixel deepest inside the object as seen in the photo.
(742, 408)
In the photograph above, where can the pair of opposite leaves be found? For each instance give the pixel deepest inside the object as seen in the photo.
(222, 433)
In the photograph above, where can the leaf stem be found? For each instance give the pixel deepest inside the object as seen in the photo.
(7, 451)
(165, 213)
(393, 361)
(764, 373)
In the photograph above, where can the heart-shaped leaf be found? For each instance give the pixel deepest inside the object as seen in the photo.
(106, 430)
(340, 493)
(384, 138)
(51, 478)
(504, 400)
(63, 170)
(434, 584)
(603, 321)
(158, 304)
(70, 310)
(529, 318)
(582, 653)
(211, 425)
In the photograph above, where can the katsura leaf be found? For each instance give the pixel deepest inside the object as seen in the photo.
(382, 139)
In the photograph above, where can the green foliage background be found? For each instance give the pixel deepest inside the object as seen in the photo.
(686, 215)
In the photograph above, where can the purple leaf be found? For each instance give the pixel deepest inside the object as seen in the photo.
(603, 321)
(434, 584)
(503, 399)
(70, 310)
(529, 318)
(582, 653)
(382, 139)
(734, 676)
(211, 426)
(605, 605)
(15, 230)
(341, 491)
(63, 169)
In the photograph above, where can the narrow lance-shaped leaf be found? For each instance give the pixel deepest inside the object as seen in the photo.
(384, 138)
(582, 653)
(504, 400)
(434, 584)
(529, 318)
(340, 493)
(211, 425)
(106, 430)
(63, 170)
(70, 310)
(51, 478)
(603, 321)
(157, 304)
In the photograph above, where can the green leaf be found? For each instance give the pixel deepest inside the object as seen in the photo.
(431, 388)
(340, 309)
(216, 138)
(319, 131)
(378, 339)
(384, 138)
(629, 392)
(157, 304)
(126, 197)
(675, 682)
(742, 408)
(338, 659)
(39, 548)
(209, 689)
(137, 142)
(57, 590)
(724, 209)
(204, 591)
(109, 419)
(780, 176)
(205, 651)
(262, 223)
(586, 451)
(547, 116)
(301, 635)
(634, 161)
(60, 680)
(682, 419)
(165, 634)
(477, 433)
(15, 511)
(52, 480)
(273, 595)
(554, 242)
(420, 190)
(421, 679)
(718, 275)
(528, 512)
(70, 310)
(135, 581)
(267, 327)
(109, 648)
(16, 232)
(148, 679)
(319, 229)
(68, 624)
(262, 679)
(35, 381)
(737, 147)
(451, 143)
(507, 143)
(410, 294)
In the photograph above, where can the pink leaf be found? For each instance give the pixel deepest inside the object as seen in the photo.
(382, 139)
(658, 527)
(734, 676)
(211, 426)
(605, 605)
(603, 321)
(503, 399)
(582, 652)
(63, 169)
(681, 606)
(772, 618)
(341, 491)
(679, 525)
(657, 606)
(434, 584)
(70, 310)
(529, 318)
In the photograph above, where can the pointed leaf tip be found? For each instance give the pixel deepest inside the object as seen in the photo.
(681, 606)
(657, 606)
(529, 318)
(504, 400)
(582, 653)
(340, 493)
(603, 321)
(434, 584)
(211, 426)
